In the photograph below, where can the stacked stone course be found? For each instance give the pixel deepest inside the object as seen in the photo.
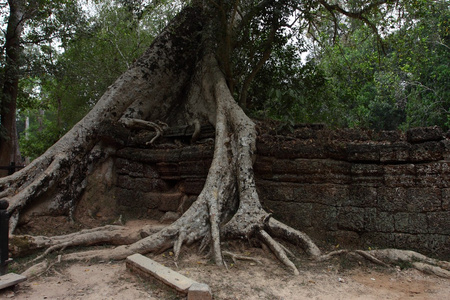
(348, 187)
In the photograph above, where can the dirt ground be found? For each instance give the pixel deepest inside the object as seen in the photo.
(345, 277)
(339, 279)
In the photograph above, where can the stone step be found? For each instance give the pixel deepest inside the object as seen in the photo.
(182, 284)
(11, 279)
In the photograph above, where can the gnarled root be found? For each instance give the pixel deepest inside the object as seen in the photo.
(386, 257)
(137, 123)
(110, 234)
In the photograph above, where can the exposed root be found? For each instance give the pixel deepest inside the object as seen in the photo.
(385, 257)
(419, 261)
(371, 258)
(36, 270)
(433, 270)
(235, 257)
(280, 230)
(178, 243)
(110, 234)
(278, 251)
(137, 123)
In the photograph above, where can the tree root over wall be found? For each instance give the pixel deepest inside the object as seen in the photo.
(228, 206)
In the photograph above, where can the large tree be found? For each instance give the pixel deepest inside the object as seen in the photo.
(44, 23)
(187, 77)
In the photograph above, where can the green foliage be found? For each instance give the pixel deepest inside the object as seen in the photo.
(350, 79)
(69, 79)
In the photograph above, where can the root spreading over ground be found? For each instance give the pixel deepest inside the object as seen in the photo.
(179, 79)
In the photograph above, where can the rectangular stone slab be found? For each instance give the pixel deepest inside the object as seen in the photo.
(147, 266)
(11, 279)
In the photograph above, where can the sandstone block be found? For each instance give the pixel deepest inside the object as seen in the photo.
(423, 134)
(199, 291)
(149, 267)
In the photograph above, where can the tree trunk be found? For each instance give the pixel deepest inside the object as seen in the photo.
(178, 80)
(9, 147)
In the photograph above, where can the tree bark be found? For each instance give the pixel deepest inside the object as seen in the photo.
(9, 147)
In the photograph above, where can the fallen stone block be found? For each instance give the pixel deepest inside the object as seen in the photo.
(150, 268)
(199, 291)
(11, 279)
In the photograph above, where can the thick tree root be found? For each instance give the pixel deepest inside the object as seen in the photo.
(387, 257)
(141, 124)
(110, 234)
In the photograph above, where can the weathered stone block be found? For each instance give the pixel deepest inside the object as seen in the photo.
(392, 136)
(424, 134)
(327, 194)
(150, 268)
(428, 151)
(191, 153)
(446, 199)
(446, 147)
(411, 223)
(439, 222)
(361, 196)
(150, 200)
(11, 279)
(431, 174)
(284, 166)
(129, 167)
(168, 170)
(366, 170)
(384, 222)
(296, 215)
(346, 238)
(129, 198)
(150, 171)
(394, 153)
(378, 239)
(199, 291)
(283, 192)
(403, 175)
(141, 184)
(169, 201)
(391, 199)
(324, 216)
(150, 155)
(191, 186)
(363, 153)
(423, 199)
(263, 167)
(323, 170)
(414, 242)
(193, 168)
(356, 219)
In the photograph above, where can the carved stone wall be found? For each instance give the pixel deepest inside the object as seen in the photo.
(347, 187)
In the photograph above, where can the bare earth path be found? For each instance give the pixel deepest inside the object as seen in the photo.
(340, 279)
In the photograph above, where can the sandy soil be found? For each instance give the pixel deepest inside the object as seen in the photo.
(343, 278)
(339, 279)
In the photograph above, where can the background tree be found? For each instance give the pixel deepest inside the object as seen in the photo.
(46, 21)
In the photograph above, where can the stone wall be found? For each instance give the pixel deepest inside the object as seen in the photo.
(346, 187)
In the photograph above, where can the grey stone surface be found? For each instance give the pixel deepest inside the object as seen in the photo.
(167, 276)
(11, 279)
(199, 291)
(367, 188)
